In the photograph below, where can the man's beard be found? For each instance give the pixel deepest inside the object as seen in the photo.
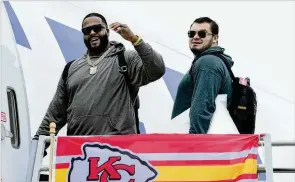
(197, 52)
(104, 41)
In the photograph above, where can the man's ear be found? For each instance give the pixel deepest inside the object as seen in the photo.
(108, 31)
(215, 39)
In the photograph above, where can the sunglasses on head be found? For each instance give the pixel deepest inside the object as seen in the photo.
(201, 33)
(95, 28)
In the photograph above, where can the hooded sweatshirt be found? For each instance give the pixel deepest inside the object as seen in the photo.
(210, 78)
(101, 104)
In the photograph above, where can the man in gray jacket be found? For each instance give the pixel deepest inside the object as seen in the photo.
(94, 98)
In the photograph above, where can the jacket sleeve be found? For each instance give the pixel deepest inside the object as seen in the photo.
(56, 111)
(207, 79)
(146, 65)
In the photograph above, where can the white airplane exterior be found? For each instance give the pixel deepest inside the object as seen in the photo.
(39, 38)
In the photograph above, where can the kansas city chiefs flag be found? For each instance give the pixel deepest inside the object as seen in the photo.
(158, 158)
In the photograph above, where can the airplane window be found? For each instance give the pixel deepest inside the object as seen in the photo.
(14, 120)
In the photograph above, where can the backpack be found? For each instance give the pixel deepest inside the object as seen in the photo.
(243, 107)
(123, 70)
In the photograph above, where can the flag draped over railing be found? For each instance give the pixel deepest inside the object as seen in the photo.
(158, 158)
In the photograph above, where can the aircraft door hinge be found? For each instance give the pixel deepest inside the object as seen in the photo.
(5, 133)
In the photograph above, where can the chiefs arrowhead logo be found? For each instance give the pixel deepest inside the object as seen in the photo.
(105, 163)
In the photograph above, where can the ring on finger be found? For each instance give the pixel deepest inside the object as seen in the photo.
(119, 29)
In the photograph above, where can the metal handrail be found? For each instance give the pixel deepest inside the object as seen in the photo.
(280, 144)
(261, 169)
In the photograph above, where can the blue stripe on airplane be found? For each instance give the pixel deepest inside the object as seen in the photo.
(69, 41)
(172, 78)
(18, 31)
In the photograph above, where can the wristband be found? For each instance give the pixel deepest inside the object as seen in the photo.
(138, 41)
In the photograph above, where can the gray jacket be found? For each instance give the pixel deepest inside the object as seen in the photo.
(101, 104)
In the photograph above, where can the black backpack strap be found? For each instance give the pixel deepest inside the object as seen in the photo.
(124, 70)
(65, 72)
(123, 66)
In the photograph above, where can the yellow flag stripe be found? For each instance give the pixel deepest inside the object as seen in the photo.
(206, 173)
(61, 175)
(189, 173)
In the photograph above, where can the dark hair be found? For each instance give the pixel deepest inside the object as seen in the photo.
(213, 25)
(96, 15)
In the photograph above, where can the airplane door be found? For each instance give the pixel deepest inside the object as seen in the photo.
(15, 126)
(10, 135)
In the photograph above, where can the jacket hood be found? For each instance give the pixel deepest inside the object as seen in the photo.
(218, 49)
(118, 47)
